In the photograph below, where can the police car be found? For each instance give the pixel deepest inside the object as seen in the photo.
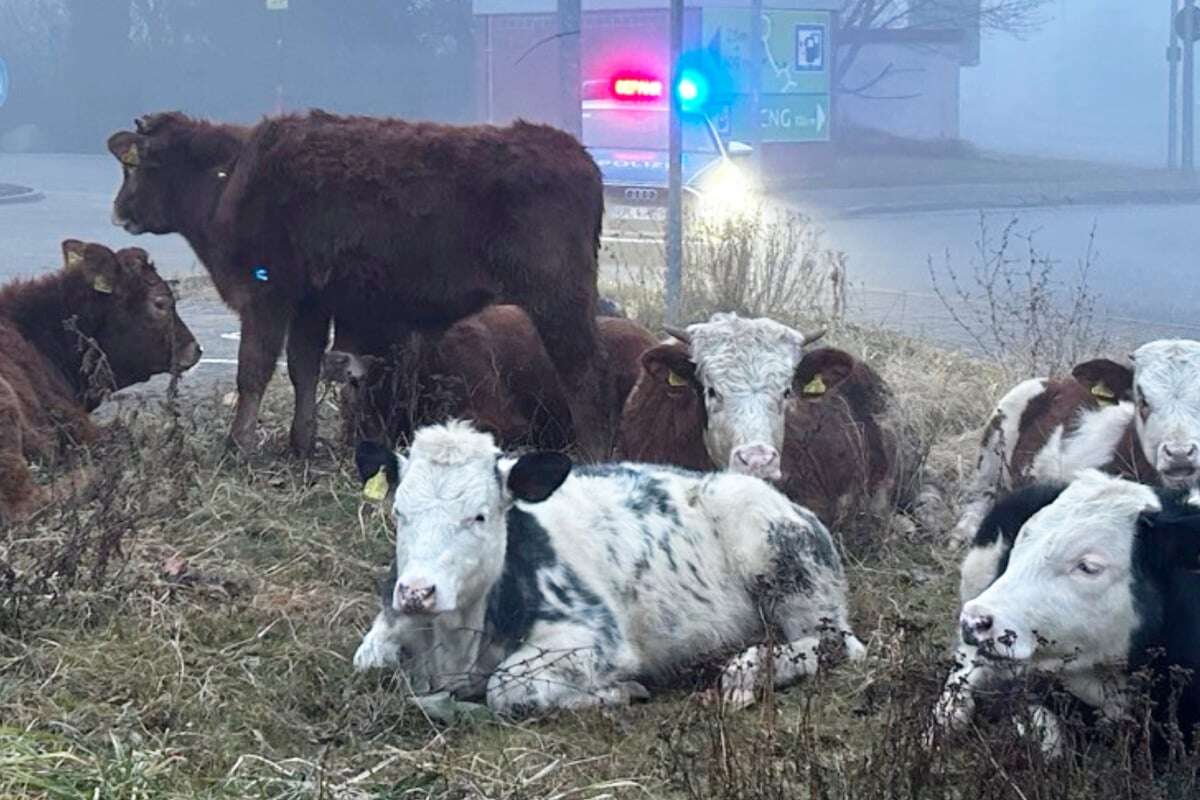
(625, 125)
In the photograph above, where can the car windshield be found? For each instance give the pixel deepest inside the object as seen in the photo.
(641, 127)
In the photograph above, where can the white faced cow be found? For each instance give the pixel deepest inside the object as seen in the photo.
(542, 586)
(1104, 573)
(1142, 423)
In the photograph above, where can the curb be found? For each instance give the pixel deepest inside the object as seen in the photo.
(1110, 198)
(23, 194)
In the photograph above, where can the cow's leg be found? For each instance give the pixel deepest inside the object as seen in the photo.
(381, 646)
(263, 330)
(956, 706)
(568, 329)
(804, 620)
(557, 671)
(306, 342)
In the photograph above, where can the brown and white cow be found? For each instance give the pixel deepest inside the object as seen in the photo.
(742, 395)
(103, 322)
(1140, 422)
(491, 368)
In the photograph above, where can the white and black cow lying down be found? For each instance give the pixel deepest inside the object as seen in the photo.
(1097, 579)
(1141, 423)
(542, 586)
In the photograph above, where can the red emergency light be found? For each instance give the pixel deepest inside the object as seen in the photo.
(637, 87)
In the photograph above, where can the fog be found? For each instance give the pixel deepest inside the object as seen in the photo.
(1090, 83)
(893, 131)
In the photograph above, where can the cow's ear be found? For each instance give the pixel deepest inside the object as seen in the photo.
(379, 469)
(128, 147)
(670, 363)
(1107, 381)
(821, 370)
(95, 262)
(536, 476)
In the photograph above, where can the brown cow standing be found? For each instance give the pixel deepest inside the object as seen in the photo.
(490, 367)
(839, 452)
(304, 219)
(51, 376)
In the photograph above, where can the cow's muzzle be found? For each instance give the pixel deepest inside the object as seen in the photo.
(1179, 463)
(759, 460)
(415, 597)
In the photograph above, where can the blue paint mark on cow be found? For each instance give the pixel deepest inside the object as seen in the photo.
(261, 273)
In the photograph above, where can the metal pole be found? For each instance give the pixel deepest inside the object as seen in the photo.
(1189, 87)
(675, 175)
(1173, 55)
(570, 17)
(490, 78)
(755, 69)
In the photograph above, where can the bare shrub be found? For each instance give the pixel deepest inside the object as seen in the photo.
(767, 262)
(1017, 307)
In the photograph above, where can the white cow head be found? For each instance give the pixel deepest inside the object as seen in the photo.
(746, 368)
(1068, 588)
(1164, 386)
(450, 508)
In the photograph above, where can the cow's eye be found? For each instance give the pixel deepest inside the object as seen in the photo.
(711, 393)
(787, 393)
(480, 518)
(1143, 406)
(1090, 568)
(162, 304)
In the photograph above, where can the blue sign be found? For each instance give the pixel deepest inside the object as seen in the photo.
(3, 82)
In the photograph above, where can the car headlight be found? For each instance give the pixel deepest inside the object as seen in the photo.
(725, 192)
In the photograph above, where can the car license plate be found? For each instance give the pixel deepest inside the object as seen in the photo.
(653, 213)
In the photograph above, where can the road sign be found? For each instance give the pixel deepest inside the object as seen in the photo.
(277, 5)
(1181, 20)
(794, 79)
(3, 82)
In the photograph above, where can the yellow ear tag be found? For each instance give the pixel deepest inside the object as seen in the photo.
(130, 157)
(102, 284)
(74, 259)
(376, 488)
(675, 379)
(1103, 394)
(814, 388)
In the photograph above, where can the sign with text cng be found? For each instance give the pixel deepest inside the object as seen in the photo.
(794, 74)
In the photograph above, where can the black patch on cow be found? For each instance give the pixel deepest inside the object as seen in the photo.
(1165, 581)
(586, 607)
(1008, 516)
(386, 588)
(515, 602)
(794, 550)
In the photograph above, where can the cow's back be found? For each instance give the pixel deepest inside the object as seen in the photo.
(37, 396)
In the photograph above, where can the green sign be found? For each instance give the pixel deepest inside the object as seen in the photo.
(794, 74)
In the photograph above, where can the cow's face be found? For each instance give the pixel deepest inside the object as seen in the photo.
(1164, 387)
(130, 311)
(1166, 395)
(164, 168)
(744, 370)
(1068, 588)
(450, 508)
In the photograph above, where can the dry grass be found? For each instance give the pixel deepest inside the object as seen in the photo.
(184, 629)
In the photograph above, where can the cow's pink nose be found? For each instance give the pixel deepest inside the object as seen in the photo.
(756, 459)
(414, 597)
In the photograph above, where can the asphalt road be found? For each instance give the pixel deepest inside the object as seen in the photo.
(1143, 267)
